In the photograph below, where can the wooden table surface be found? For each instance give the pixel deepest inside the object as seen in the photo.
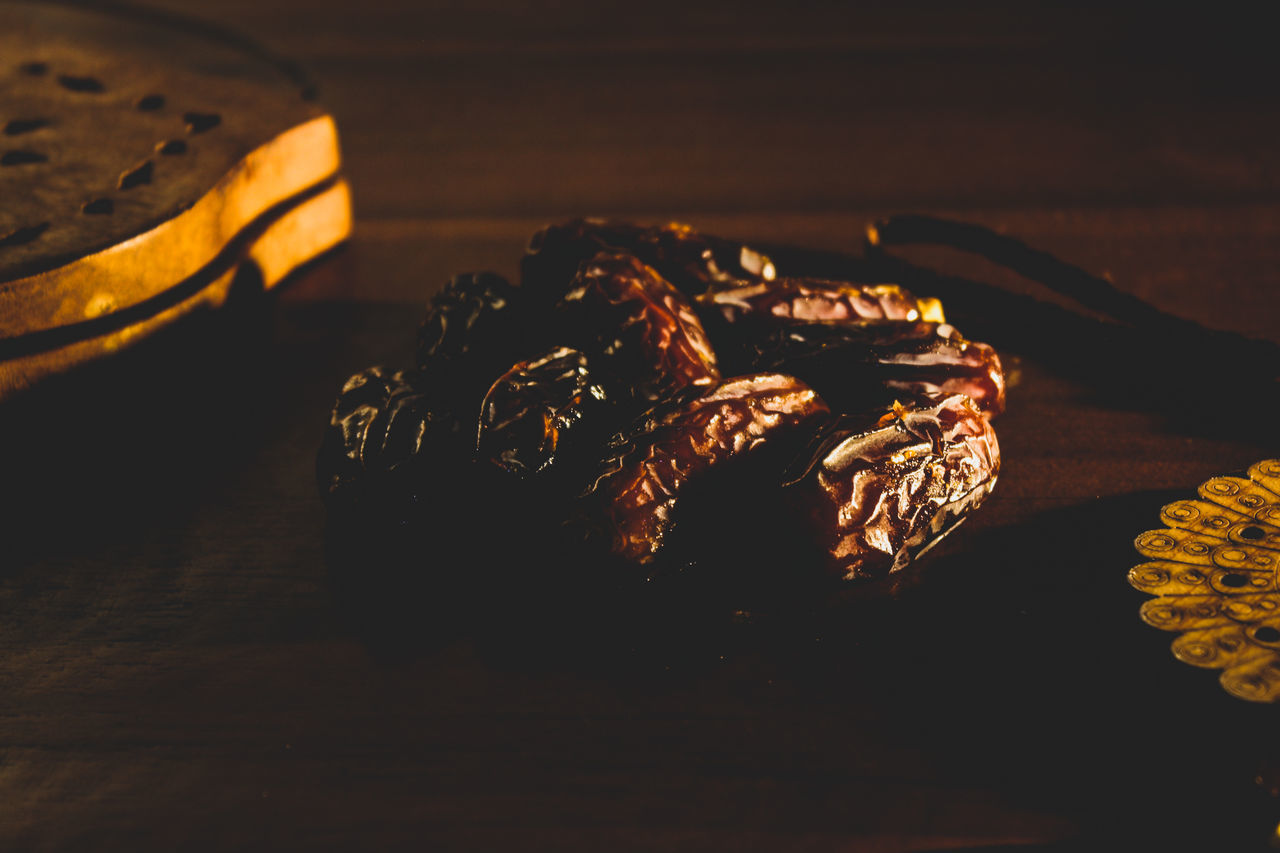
(180, 669)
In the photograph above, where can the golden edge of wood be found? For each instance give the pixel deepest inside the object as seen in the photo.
(299, 235)
(143, 266)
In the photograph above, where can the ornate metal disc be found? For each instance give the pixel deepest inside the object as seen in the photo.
(1214, 572)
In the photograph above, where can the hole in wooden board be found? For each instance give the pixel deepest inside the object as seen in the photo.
(73, 83)
(19, 236)
(200, 122)
(22, 157)
(99, 207)
(19, 126)
(140, 174)
(150, 103)
(35, 69)
(172, 147)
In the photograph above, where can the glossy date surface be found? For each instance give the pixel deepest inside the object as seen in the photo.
(386, 432)
(533, 413)
(638, 490)
(585, 415)
(650, 340)
(689, 260)
(860, 365)
(766, 305)
(476, 324)
(876, 491)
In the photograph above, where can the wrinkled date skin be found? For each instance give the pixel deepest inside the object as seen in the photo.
(747, 492)
(384, 431)
(386, 425)
(650, 339)
(692, 262)
(532, 415)
(875, 492)
(799, 300)
(474, 326)
(856, 366)
(641, 482)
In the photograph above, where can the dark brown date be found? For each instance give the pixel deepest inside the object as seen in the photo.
(385, 432)
(876, 491)
(532, 415)
(802, 300)
(691, 261)
(586, 412)
(856, 366)
(650, 340)
(681, 441)
(473, 326)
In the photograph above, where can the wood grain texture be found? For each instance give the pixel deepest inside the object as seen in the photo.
(181, 668)
(216, 100)
(148, 165)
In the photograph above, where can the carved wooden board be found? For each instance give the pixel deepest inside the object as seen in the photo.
(143, 161)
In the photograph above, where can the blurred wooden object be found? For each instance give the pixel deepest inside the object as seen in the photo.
(144, 161)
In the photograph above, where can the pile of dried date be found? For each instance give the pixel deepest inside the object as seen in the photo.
(651, 402)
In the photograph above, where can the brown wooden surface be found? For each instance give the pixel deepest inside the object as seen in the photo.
(91, 139)
(179, 668)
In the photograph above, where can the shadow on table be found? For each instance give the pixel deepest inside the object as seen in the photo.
(1021, 661)
(1016, 660)
(144, 440)
(132, 441)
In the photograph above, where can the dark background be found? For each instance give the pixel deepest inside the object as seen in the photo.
(182, 669)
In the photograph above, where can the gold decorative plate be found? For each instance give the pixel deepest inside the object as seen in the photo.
(1214, 572)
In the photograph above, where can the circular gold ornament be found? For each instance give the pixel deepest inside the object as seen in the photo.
(1213, 570)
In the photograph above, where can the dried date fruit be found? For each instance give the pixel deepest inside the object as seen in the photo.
(475, 325)
(474, 329)
(405, 507)
(650, 340)
(386, 432)
(801, 300)
(737, 317)
(860, 365)
(542, 411)
(728, 493)
(874, 492)
(635, 497)
(691, 261)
